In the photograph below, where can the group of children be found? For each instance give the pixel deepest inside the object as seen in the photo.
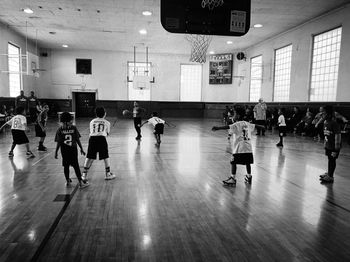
(242, 149)
(68, 138)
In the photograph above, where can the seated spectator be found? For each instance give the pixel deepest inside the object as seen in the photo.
(3, 112)
(294, 119)
(305, 127)
(225, 115)
(249, 115)
(318, 124)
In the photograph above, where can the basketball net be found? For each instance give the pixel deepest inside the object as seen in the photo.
(199, 47)
(211, 4)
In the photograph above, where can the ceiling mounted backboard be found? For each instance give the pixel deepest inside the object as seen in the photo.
(232, 18)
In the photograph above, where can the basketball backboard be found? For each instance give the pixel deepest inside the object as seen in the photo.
(231, 18)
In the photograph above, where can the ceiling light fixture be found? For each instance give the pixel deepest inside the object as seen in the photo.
(229, 42)
(28, 11)
(147, 13)
(65, 46)
(258, 25)
(211, 52)
(143, 32)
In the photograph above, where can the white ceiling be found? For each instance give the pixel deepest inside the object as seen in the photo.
(116, 26)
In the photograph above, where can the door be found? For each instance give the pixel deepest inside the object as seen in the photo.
(85, 104)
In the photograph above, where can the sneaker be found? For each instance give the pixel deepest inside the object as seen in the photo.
(83, 184)
(327, 179)
(279, 144)
(84, 176)
(42, 148)
(230, 181)
(323, 175)
(11, 154)
(248, 179)
(109, 176)
(69, 183)
(30, 154)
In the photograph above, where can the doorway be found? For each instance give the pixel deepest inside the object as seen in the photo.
(85, 103)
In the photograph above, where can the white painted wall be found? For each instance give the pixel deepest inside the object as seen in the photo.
(8, 35)
(109, 68)
(301, 38)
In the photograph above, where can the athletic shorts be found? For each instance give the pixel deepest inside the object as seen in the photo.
(69, 155)
(19, 137)
(158, 129)
(97, 144)
(242, 159)
(282, 130)
(329, 152)
(39, 132)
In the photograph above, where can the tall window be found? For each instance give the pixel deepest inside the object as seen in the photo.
(138, 69)
(283, 63)
(191, 83)
(14, 59)
(325, 64)
(255, 78)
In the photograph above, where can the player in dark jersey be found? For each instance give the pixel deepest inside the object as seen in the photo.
(332, 143)
(67, 138)
(40, 127)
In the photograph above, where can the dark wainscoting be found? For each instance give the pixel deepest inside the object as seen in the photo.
(180, 109)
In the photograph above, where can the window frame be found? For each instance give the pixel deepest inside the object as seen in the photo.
(261, 77)
(201, 82)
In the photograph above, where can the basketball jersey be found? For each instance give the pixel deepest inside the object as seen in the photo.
(18, 122)
(281, 121)
(21, 101)
(99, 127)
(32, 101)
(330, 129)
(242, 132)
(155, 120)
(67, 136)
(42, 118)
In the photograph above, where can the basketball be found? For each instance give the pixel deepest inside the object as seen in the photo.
(126, 112)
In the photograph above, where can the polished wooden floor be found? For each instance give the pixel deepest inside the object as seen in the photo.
(168, 203)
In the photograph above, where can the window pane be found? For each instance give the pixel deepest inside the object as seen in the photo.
(191, 83)
(255, 78)
(283, 63)
(324, 74)
(14, 70)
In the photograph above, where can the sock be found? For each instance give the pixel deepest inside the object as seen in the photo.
(108, 169)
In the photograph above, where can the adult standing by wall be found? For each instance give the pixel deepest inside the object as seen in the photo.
(260, 116)
(22, 101)
(32, 103)
(137, 114)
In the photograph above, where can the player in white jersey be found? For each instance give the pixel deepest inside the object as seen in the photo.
(99, 130)
(282, 127)
(242, 153)
(158, 125)
(18, 125)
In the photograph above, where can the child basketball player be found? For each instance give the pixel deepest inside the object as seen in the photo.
(158, 125)
(99, 130)
(18, 125)
(67, 138)
(40, 127)
(242, 153)
(282, 127)
(332, 143)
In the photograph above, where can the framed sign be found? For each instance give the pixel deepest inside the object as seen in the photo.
(220, 69)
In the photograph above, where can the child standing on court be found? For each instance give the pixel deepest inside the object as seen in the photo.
(40, 127)
(332, 143)
(67, 138)
(158, 125)
(282, 127)
(18, 125)
(242, 153)
(99, 130)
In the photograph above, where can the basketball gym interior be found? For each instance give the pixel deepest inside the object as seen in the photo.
(168, 202)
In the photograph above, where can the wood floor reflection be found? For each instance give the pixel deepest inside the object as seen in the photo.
(168, 204)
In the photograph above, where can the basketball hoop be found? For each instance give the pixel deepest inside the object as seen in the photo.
(211, 4)
(199, 47)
